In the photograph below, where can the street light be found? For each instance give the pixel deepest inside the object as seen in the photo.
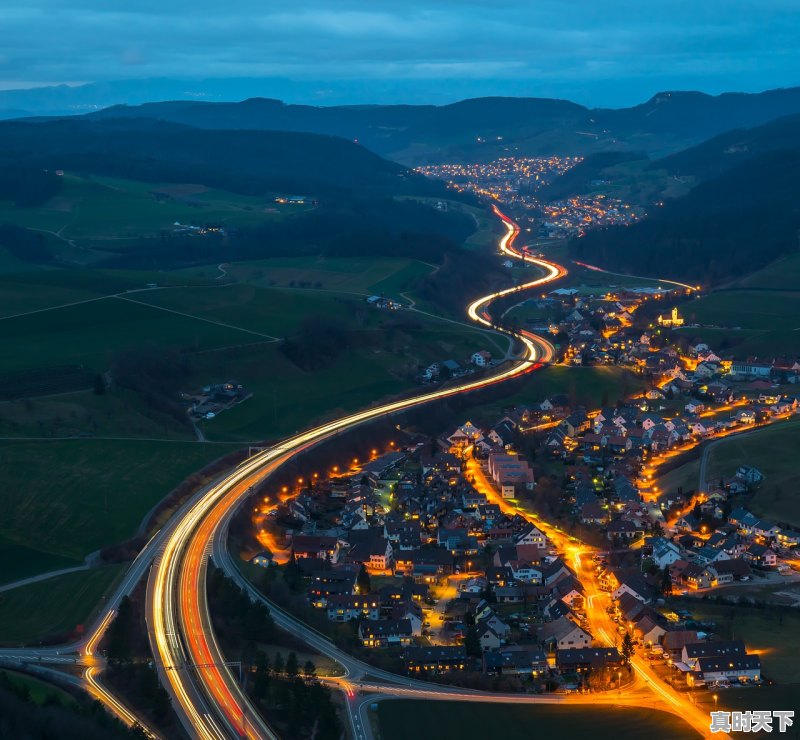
(716, 698)
(619, 681)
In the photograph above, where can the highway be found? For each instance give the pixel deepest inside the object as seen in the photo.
(205, 693)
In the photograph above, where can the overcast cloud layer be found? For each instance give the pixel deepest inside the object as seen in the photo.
(612, 53)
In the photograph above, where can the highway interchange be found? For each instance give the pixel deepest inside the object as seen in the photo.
(205, 693)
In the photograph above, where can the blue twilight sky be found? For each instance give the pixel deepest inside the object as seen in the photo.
(612, 53)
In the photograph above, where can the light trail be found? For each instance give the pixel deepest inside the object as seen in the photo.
(181, 632)
(594, 268)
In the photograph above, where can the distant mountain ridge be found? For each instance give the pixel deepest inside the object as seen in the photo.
(743, 212)
(487, 127)
(484, 128)
(252, 162)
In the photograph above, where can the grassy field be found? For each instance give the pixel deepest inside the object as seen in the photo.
(781, 275)
(438, 720)
(592, 281)
(286, 398)
(780, 696)
(361, 275)
(117, 413)
(71, 497)
(773, 451)
(588, 386)
(39, 691)
(774, 633)
(55, 606)
(686, 476)
(91, 208)
(89, 333)
(750, 322)
(17, 561)
(273, 312)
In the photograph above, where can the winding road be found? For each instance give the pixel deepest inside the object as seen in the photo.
(205, 693)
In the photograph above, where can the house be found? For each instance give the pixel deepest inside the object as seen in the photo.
(751, 368)
(349, 607)
(530, 535)
(650, 626)
(729, 649)
(694, 407)
(385, 632)
(708, 554)
(409, 610)
(761, 556)
(592, 513)
(585, 660)
(698, 576)
(481, 358)
(674, 641)
(263, 559)
(563, 633)
(688, 523)
(526, 572)
(634, 584)
(488, 637)
(312, 546)
(725, 571)
(749, 474)
(665, 553)
(433, 660)
(788, 538)
(744, 669)
(375, 553)
(516, 660)
(511, 470)
(623, 529)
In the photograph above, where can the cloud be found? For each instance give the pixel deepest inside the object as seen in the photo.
(714, 44)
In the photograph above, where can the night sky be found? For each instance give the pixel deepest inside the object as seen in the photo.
(612, 53)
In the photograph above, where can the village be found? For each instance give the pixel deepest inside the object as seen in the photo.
(434, 551)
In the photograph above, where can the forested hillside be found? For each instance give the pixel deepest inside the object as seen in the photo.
(725, 227)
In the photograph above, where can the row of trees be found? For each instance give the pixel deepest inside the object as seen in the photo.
(22, 718)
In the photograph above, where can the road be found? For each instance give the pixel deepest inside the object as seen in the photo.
(646, 685)
(205, 692)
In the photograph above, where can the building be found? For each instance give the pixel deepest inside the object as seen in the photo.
(742, 668)
(349, 607)
(721, 649)
(585, 660)
(311, 546)
(564, 634)
(435, 659)
(482, 358)
(673, 320)
(510, 471)
(385, 632)
(516, 660)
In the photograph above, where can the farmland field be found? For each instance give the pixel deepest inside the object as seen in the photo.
(781, 275)
(747, 322)
(588, 386)
(56, 606)
(774, 452)
(71, 497)
(774, 633)
(440, 720)
(361, 275)
(89, 333)
(92, 208)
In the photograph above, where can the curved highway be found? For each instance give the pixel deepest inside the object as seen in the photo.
(206, 694)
